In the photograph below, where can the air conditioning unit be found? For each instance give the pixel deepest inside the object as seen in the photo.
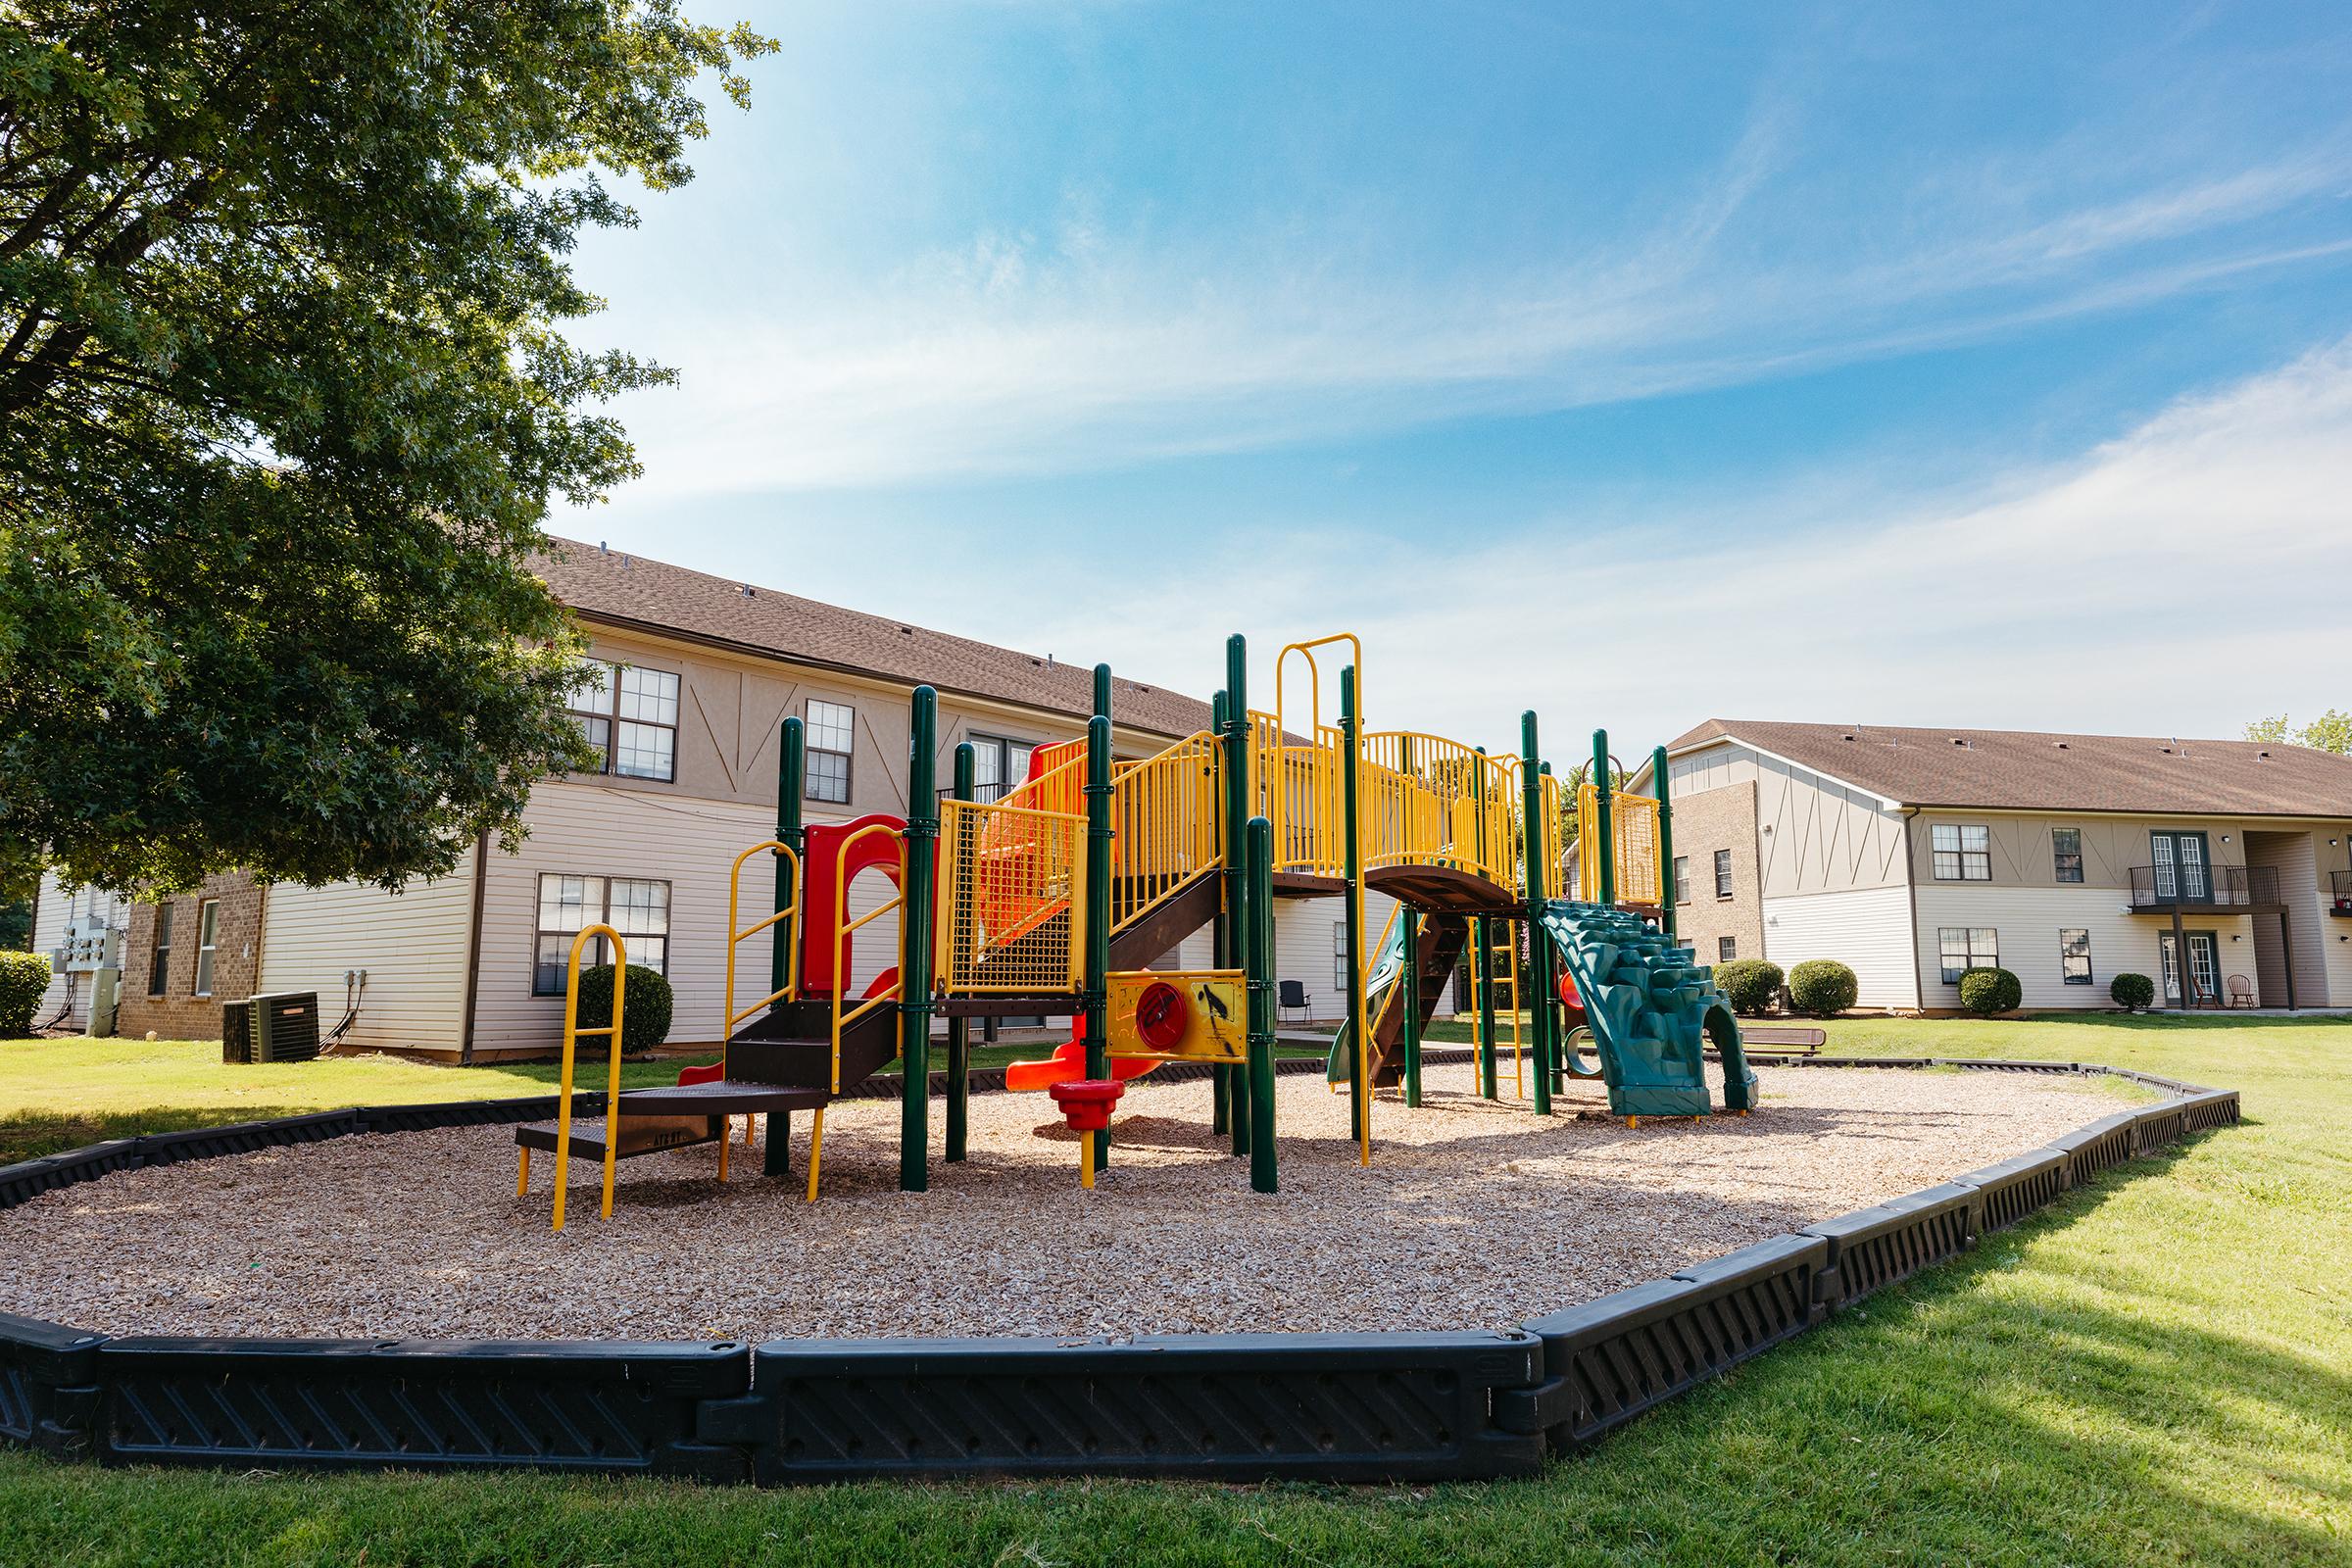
(236, 1031)
(285, 1026)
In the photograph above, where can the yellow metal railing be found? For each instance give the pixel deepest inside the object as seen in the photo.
(1012, 899)
(1058, 784)
(572, 1033)
(1634, 834)
(1427, 801)
(1166, 814)
(843, 928)
(782, 920)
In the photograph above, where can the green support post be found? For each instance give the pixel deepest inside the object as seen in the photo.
(1259, 915)
(1358, 1031)
(914, 945)
(1220, 950)
(1483, 963)
(960, 1028)
(1098, 895)
(792, 783)
(1606, 849)
(1657, 784)
(1552, 1002)
(1237, 844)
(1409, 1025)
(1536, 990)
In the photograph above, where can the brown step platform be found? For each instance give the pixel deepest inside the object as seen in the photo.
(677, 1117)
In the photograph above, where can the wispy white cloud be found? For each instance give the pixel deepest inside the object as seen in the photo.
(1025, 354)
(2181, 579)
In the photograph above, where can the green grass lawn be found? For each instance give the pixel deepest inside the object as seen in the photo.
(2155, 1370)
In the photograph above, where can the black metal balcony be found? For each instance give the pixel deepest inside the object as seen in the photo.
(2203, 887)
(2339, 900)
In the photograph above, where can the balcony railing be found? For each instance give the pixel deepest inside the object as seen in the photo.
(2339, 900)
(2160, 887)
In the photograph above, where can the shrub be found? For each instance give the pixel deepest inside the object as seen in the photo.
(24, 976)
(1987, 991)
(1822, 987)
(1751, 985)
(644, 1006)
(2134, 993)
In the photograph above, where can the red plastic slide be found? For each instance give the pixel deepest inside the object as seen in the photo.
(1067, 1064)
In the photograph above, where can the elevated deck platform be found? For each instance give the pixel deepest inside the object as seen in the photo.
(1445, 890)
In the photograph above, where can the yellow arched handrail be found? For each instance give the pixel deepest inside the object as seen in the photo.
(735, 935)
(842, 933)
(572, 1035)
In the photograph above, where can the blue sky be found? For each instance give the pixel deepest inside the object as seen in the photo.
(1884, 364)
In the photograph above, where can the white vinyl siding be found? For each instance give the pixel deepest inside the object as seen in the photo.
(412, 946)
(2030, 919)
(1868, 930)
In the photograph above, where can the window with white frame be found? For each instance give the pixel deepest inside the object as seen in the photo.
(1681, 879)
(1967, 947)
(2074, 956)
(1723, 873)
(630, 714)
(1727, 950)
(832, 736)
(1339, 958)
(1962, 851)
(2065, 853)
(998, 766)
(208, 934)
(635, 907)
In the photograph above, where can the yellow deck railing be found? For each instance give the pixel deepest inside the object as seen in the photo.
(573, 1034)
(1428, 801)
(1634, 830)
(1166, 814)
(1012, 899)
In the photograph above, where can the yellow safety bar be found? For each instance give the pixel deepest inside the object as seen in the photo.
(843, 928)
(1429, 801)
(1166, 814)
(737, 934)
(571, 1036)
(1320, 778)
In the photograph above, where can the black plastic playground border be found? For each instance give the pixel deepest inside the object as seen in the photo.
(1237, 1407)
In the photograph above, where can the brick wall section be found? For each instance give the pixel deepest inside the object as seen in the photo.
(1715, 819)
(179, 1014)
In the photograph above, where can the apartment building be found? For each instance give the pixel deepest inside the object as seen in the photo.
(687, 682)
(2218, 868)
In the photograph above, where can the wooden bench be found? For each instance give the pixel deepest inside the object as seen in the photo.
(1784, 1038)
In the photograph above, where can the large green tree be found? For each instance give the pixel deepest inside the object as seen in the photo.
(284, 396)
(2331, 731)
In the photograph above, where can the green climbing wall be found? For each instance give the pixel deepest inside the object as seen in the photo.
(1653, 1011)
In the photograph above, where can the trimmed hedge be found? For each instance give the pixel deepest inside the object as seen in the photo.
(2134, 993)
(1822, 988)
(1987, 992)
(24, 976)
(646, 1005)
(1752, 985)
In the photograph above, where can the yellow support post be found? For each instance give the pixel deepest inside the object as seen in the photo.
(571, 1036)
(816, 1149)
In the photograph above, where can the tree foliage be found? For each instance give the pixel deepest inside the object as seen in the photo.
(2331, 731)
(284, 395)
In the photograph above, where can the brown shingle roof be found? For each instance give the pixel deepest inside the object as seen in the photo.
(615, 587)
(2029, 771)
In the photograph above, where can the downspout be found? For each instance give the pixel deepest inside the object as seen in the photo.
(473, 949)
(1919, 975)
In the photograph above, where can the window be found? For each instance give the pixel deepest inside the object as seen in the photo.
(2074, 956)
(638, 910)
(832, 732)
(631, 716)
(1966, 948)
(208, 931)
(158, 967)
(1962, 854)
(1339, 958)
(2065, 853)
(1727, 950)
(1723, 873)
(998, 765)
(1681, 879)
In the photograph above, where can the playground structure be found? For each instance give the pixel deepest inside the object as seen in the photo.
(1053, 899)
